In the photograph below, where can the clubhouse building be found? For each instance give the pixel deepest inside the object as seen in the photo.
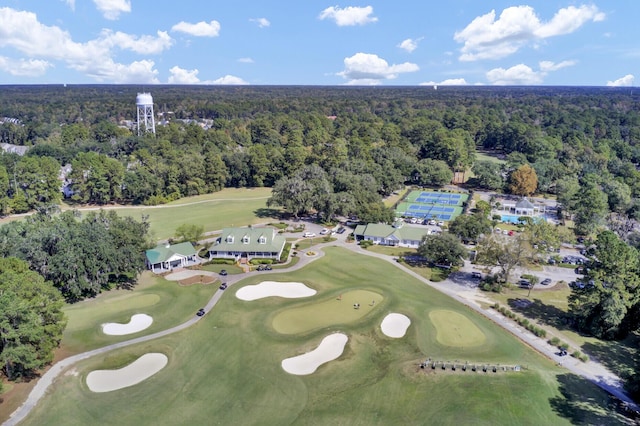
(244, 244)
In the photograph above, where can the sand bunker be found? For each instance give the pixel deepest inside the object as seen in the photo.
(137, 323)
(395, 325)
(289, 290)
(142, 368)
(329, 349)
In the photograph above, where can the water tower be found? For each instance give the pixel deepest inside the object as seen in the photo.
(146, 123)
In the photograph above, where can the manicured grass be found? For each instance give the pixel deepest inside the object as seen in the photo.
(454, 329)
(167, 302)
(391, 251)
(334, 311)
(226, 369)
(229, 207)
(306, 243)
(217, 267)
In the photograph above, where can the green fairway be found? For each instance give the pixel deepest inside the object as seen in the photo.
(229, 207)
(334, 311)
(165, 301)
(454, 329)
(226, 368)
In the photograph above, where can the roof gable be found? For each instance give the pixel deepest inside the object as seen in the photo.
(162, 253)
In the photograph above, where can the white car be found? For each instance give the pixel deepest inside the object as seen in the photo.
(308, 235)
(324, 231)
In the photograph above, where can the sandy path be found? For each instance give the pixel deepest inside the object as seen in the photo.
(329, 349)
(138, 322)
(141, 369)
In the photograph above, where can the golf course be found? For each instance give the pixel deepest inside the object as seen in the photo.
(228, 367)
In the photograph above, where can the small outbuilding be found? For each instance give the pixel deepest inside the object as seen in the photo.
(166, 257)
(391, 235)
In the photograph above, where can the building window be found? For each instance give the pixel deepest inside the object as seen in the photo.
(245, 239)
(230, 239)
(262, 240)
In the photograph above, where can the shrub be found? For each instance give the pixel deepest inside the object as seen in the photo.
(554, 341)
(584, 358)
(366, 243)
(576, 354)
(496, 306)
(221, 262)
(564, 346)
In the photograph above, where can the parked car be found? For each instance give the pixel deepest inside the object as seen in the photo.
(546, 281)
(525, 284)
(223, 272)
(200, 312)
(223, 286)
(476, 275)
(341, 230)
(324, 231)
(309, 235)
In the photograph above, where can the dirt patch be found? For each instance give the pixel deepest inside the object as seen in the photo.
(197, 279)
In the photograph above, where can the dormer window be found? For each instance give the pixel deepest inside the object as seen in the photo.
(262, 240)
(245, 239)
(230, 239)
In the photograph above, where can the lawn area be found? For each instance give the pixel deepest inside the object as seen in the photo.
(168, 303)
(392, 199)
(229, 207)
(226, 369)
(217, 267)
(391, 251)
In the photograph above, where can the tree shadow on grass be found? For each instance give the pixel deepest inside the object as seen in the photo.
(582, 403)
(541, 312)
(264, 212)
(618, 356)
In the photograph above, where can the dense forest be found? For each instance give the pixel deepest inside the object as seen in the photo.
(337, 151)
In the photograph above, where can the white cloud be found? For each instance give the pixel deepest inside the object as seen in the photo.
(409, 44)
(262, 22)
(625, 81)
(24, 67)
(111, 9)
(349, 16)
(447, 82)
(144, 44)
(488, 38)
(246, 60)
(201, 29)
(547, 66)
(70, 3)
(229, 79)
(109, 71)
(364, 68)
(519, 74)
(182, 76)
(23, 32)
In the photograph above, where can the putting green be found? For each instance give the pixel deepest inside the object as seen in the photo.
(454, 329)
(337, 310)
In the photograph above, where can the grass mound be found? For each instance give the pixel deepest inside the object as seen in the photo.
(334, 311)
(454, 329)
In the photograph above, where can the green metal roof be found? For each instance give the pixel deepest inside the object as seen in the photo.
(380, 230)
(249, 240)
(162, 253)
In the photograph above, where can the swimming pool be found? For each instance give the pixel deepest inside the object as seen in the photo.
(512, 218)
(509, 218)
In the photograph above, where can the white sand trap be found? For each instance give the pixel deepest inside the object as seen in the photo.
(329, 349)
(289, 290)
(140, 369)
(138, 322)
(395, 325)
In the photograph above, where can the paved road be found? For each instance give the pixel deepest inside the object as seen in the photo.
(462, 290)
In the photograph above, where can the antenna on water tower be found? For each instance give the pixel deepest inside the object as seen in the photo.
(144, 104)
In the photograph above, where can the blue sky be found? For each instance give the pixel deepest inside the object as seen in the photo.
(311, 42)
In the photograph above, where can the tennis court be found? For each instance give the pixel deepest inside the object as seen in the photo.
(443, 206)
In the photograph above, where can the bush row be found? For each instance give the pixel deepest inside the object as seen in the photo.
(540, 332)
